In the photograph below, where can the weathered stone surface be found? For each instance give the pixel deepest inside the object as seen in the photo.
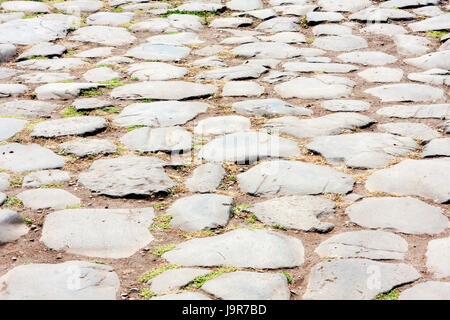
(432, 76)
(181, 38)
(244, 248)
(26, 6)
(162, 52)
(127, 175)
(411, 129)
(441, 22)
(104, 35)
(46, 77)
(242, 89)
(9, 127)
(63, 91)
(375, 58)
(365, 150)
(437, 147)
(375, 245)
(12, 227)
(95, 53)
(43, 49)
(222, 125)
(407, 3)
(7, 51)
(240, 72)
(285, 37)
(425, 178)
(106, 233)
(384, 29)
(344, 5)
(12, 90)
(438, 60)
(155, 71)
(353, 279)
(438, 111)
(202, 211)
(312, 88)
(52, 64)
(169, 139)
(319, 67)
(101, 74)
(406, 92)
(340, 43)
(48, 198)
(6, 73)
(19, 158)
(3, 198)
(295, 212)
(69, 126)
(345, 105)
(205, 178)
(279, 24)
(430, 290)
(90, 104)
(4, 181)
(231, 22)
(174, 279)
(374, 14)
(411, 45)
(293, 177)
(79, 5)
(268, 50)
(45, 177)
(268, 108)
(87, 147)
(108, 18)
(382, 74)
(29, 31)
(438, 256)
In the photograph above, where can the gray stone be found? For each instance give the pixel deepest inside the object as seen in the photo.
(374, 14)
(85, 125)
(284, 177)
(209, 50)
(155, 71)
(12, 227)
(432, 76)
(279, 24)
(411, 129)
(268, 108)
(240, 72)
(365, 150)
(109, 18)
(312, 88)
(440, 60)
(340, 43)
(181, 38)
(51, 64)
(12, 90)
(424, 178)
(164, 90)
(375, 245)
(335, 80)
(168, 139)
(7, 51)
(19, 158)
(58, 281)
(438, 111)
(441, 22)
(406, 92)
(231, 22)
(246, 248)
(3, 198)
(126, 175)
(200, 6)
(300, 9)
(296, 212)
(242, 89)
(26, 6)
(268, 50)
(90, 104)
(9, 127)
(187, 295)
(430, 290)
(87, 147)
(437, 147)
(408, 3)
(382, 75)
(331, 124)
(375, 58)
(346, 105)
(95, 53)
(200, 212)
(105, 233)
(247, 147)
(262, 14)
(438, 256)
(285, 37)
(222, 125)
(160, 114)
(205, 178)
(244, 285)
(318, 17)
(104, 35)
(276, 76)
(101, 74)
(212, 61)
(174, 279)
(331, 30)
(429, 11)
(356, 279)
(411, 45)
(344, 5)
(43, 49)
(319, 67)
(79, 6)
(45, 177)
(8, 16)
(244, 5)
(386, 29)
(48, 198)
(46, 77)
(4, 181)
(27, 108)
(116, 60)
(6, 73)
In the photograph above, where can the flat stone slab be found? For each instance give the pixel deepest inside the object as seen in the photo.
(27, 108)
(319, 67)
(69, 126)
(384, 29)
(411, 45)
(43, 49)
(374, 58)
(162, 52)
(432, 60)
(279, 24)
(109, 18)
(26, 6)
(368, 244)
(3, 198)
(423, 111)
(52, 64)
(9, 127)
(244, 285)
(246, 248)
(285, 37)
(374, 14)
(312, 88)
(45, 177)
(247, 147)
(240, 72)
(432, 76)
(430, 290)
(4, 181)
(365, 150)
(19, 158)
(273, 50)
(296, 212)
(90, 104)
(340, 43)
(410, 129)
(63, 91)
(222, 125)
(407, 215)
(205, 178)
(101, 74)
(160, 114)
(48, 198)
(331, 29)
(346, 105)
(406, 92)
(382, 74)
(331, 124)
(105, 233)
(168, 139)
(440, 22)
(46, 77)
(12, 227)
(356, 279)
(242, 89)
(284, 177)
(200, 212)
(164, 90)
(424, 178)
(155, 71)
(179, 38)
(104, 35)
(343, 5)
(126, 175)
(437, 147)
(438, 255)
(87, 147)
(12, 90)
(81, 5)
(268, 108)
(7, 51)
(174, 279)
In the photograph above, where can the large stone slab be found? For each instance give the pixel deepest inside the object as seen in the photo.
(247, 147)
(69, 126)
(437, 147)
(438, 257)
(205, 178)
(46, 77)
(246, 248)
(441, 22)
(52, 64)
(410, 129)
(244, 285)
(4, 181)
(26, 6)
(222, 125)
(340, 43)
(19, 158)
(312, 88)
(279, 24)
(9, 127)
(63, 91)
(411, 45)
(356, 279)
(104, 35)
(105, 233)
(344, 5)
(268, 108)
(162, 52)
(43, 49)
(319, 67)
(44, 177)
(240, 72)
(406, 92)
(155, 71)
(424, 178)
(79, 6)
(127, 175)
(12, 90)
(12, 227)
(72, 280)
(430, 290)
(48, 198)
(406, 215)
(274, 50)
(87, 147)
(424, 111)
(432, 60)
(27, 108)
(293, 177)
(174, 279)
(374, 14)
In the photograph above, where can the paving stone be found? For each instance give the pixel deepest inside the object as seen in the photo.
(117, 60)
(212, 61)
(438, 256)
(109, 18)
(296, 212)
(187, 295)
(262, 14)
(345, 105)
(369, 244)
(79, 6)
(182, 38)
(407, 3)
(374, 14)
(101, 74)
(331, 29)
(72, 280)
(382, 74)
(431, 60)
(43, 49)
(46, 77)
(374, 58)
(423, 111)
(405, 92)
(222, 125)
(19, 158)
(279, 24)
(4, 181)
(95, 53)
(242, 89)
(12, 227)
(244, 5)
(90, 104)
(312, 88)
(69, 126)
(411, 45)
(45, 177)
(8, 16)
(331, 124)
(26, 6)
(285, 37)
(430, 290)
(6, 73)
(284, 177)
(105, 233)
(273, 50)
(247, 147)
(356, 279)
(48, 198)
(164, 90)
(318, 17)
(268, 108)
(343, 5)
(424, 178)
(441, 22)
(437, 147)
(205, 178)
(365, 150)
(160, 114)
(9, 127)
(340, 43)
(319, 67)
(3, 198)
(104, 35)
(7, 51)
(386, 29)
(200, 6)
(126, 175)
(231, 22)
(240, 72)
(428, 11)
(246, 248)
(155, 71)
(174, 279)
(411, 129)
(300, 9)
(432, 76)
(52, 64)
(87, 147)
(12, 90)
(277, 76)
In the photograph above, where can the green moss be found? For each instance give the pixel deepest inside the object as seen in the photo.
(309, 40)
(111, 84)
(72, 112)
(393, 295)
(146, 294)
(146, 100)
(241, 209)
(159, 251)
(436, 34)
(154, 272)
(52, 185)
(111, 110)
(252, 219)
(134, 127)
(14, 202)
(93, 92)
(134, 79)
(199, 281)
(36, 58)
(16, 181)
(288, 276)
(276, 226)
(27, 220)
(75, 206)
(161, 222)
